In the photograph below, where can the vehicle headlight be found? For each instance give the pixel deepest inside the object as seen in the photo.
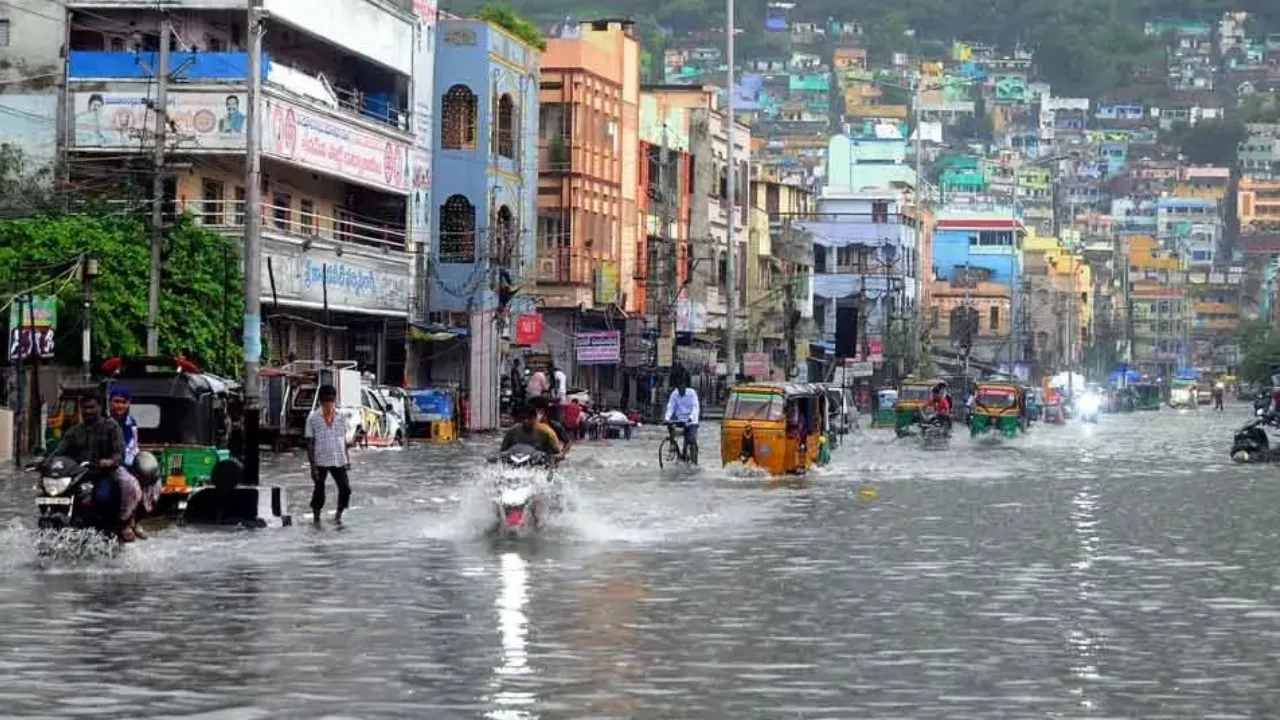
(55, 486)
(1089, 403)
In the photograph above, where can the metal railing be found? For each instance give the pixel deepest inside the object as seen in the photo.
(303, 222)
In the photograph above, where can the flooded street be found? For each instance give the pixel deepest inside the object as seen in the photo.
(1127, 569)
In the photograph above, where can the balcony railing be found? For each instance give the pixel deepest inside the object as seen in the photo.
(564, 266)
(300, 222)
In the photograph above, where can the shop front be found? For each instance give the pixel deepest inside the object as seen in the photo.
(336, 303)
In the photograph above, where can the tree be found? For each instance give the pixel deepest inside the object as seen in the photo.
(1213, 142)
(201, 286)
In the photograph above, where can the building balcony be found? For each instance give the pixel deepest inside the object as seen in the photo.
(300, 223)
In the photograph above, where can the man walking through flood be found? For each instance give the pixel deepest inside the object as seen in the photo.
(326, 434)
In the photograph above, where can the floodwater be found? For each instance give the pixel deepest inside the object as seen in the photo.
(1125, 570)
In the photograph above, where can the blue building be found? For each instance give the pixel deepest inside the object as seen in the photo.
(985, 246)
(485, 189)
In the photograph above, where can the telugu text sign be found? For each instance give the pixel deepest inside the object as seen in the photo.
(313, 141)
(599, 348)
(200, 121)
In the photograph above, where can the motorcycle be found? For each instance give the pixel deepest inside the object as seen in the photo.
(935, 429)
(1251, 444)
(72, 495)
(1088, 407)
(519, 501)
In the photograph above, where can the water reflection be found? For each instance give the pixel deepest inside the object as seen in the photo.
(1084, 637)
(513, 630)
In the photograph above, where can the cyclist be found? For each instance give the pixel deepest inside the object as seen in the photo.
(682, 407)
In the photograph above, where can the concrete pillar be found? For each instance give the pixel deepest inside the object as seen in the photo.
(483, 373)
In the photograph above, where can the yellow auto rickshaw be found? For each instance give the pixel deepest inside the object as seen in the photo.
(780, 427)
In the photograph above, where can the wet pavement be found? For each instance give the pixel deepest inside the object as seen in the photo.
(1121, 570)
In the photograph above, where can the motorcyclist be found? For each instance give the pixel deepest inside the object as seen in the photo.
(527, 431)
(98, 441)
(682, 407)
(543, 406)
(940, 403)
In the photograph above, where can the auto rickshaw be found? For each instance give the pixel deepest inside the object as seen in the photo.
(911, 397)
(779, 427)
(67, 411)
(183, 419)
(998, 407)
(886, 400)
(1147, 396)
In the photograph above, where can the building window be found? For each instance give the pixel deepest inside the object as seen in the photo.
(995, 319)
(239, 209)
(504, 127)
(307, 215)
(211, 196)
(457, 230)
(880, 211)
(506, 236)
(281, 208)
(458, 131)
(4, 33)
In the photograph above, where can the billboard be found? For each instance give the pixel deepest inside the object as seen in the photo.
(124, 120)
(313, 141)
(33, 320)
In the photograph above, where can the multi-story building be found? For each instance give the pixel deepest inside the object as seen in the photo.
(971, 247)
(587, 223)
(339, 148)
(779, 272)
(866, 248)
(1158, 308)
(1057, 288)
(1190, 226)
(486, 177)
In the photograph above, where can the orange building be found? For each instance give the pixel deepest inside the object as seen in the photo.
(587, 186)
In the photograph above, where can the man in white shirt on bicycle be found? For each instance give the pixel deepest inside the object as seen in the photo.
(682, 407)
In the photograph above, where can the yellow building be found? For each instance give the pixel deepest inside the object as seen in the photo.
(1258, 205)
(1057, 287)
(779, 265)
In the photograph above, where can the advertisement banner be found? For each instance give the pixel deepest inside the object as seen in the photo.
(528, 329)
(423, 110)
(353, 283)
(430, 405)
(599, 348)
(756, 365)
(314, 141)
(32, 323)
(201, 120)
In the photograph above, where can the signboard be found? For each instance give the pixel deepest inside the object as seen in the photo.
(204, 121)
(666, 352)
(353, 283)
(528, 329)
(691, 317)
(855, 369)
(316, 142)
(430, 405)
(755, 365)
(423, 111)
(32, 323)
(599, 348)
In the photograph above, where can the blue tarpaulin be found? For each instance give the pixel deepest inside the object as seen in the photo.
(430, 405)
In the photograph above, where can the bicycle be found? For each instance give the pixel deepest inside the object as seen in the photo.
(671, 450)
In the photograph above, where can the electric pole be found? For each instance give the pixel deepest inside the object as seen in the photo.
(88, 271)
(731, 274)
(253, 248)
(161, 110)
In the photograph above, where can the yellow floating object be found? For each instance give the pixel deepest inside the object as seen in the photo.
(868, 493)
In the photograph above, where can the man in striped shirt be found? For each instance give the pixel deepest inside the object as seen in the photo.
(326, 433)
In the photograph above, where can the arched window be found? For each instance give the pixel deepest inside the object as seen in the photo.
(504, 127)
(505, 234)
(457, 230)
(458, 110)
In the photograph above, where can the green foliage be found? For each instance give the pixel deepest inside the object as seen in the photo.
(506, 18)
(195, 284)
(1259, 349)
(1211, 142)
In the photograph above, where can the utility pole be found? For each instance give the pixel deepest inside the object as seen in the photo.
(253, 248)
(731, 274)
(88, 271)
(916, 323)
(670, 285)
(157, 189)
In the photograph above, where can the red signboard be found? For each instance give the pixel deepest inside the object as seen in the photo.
(528, 329)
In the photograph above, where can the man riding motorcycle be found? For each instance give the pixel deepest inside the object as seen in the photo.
(543, 406)
(99, 441)
(940, 403)
(527, 431)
